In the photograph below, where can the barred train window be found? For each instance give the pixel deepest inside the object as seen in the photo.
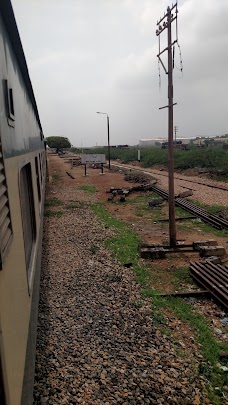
(37, 178)
(41, 168)
(27, 211)
(5, 219)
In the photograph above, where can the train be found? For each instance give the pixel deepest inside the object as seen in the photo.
(22, 194)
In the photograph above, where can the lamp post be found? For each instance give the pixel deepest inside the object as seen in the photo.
(98, 112)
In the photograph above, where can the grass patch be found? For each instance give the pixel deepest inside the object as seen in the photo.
(74, 204)
(202, 228)
(124, 245)
(49, 213)
(181, 276)
(53, 202)
(115, 278)
(89, 189)
(56, 176)
(209, 346)
(94, 249)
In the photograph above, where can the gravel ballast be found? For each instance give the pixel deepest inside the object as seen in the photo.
(96, 344)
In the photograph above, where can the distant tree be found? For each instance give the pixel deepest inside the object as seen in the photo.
(58, 142)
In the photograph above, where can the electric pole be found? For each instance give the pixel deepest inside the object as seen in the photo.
(175, 132)
(169, 17)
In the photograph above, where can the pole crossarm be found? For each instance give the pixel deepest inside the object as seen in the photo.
(167, 48)
(166, 14)
(167, 106)
(160, 30)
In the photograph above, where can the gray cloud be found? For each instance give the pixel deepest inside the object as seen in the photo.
(91, 55)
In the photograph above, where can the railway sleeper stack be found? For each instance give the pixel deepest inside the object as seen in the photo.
(124, 192)
(213, 277)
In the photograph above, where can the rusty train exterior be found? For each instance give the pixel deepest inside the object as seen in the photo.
(22, 190)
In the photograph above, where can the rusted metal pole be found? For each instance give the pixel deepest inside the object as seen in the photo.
(172, 223)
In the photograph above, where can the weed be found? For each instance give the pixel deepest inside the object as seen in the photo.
(56, 176)
(89, 189)
(94, 249)
(74, 204)
(48, 213)
(53, 202)
(115, 278)
(137, 304)
(181, 276)
(124, 246)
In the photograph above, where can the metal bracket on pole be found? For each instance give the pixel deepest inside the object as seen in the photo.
(167, 106)
(163, 65)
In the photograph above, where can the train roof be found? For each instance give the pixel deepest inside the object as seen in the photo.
(6, 11)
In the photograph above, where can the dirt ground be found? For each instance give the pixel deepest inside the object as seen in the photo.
(142, 221)
(167, 275)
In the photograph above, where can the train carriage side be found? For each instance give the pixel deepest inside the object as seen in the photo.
(22, 187)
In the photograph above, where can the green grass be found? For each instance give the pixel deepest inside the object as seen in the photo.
(94, 249)
(214, 159)
(181, 276)
(56, 176)
(73, 204)
(209, 346)
(48, 213)
(53, 202)
(212, 209)
(89, 189)
(124, 246)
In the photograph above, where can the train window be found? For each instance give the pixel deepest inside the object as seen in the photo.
(27, 211)
(41, 173)
(9, 102)
(5, 219)
(37, 178)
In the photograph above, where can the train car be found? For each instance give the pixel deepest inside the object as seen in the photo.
(22, 190)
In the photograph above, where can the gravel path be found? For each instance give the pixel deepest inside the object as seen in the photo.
(96, 344)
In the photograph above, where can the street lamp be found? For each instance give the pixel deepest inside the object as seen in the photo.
(98, 112)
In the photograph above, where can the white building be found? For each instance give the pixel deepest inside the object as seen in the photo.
(145, 143)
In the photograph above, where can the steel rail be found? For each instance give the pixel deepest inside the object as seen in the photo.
(212, 277)
(175, 177)
(214, 220)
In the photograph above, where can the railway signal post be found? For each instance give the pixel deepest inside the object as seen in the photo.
(166, 23)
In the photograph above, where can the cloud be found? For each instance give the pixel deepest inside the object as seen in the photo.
(91, 55)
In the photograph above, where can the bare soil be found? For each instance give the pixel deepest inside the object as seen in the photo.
(163, 272)
(163, 277)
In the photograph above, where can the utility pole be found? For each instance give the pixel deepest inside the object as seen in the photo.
(175, 132)
(170, 17)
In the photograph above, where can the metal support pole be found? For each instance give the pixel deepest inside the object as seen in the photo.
(108, 143)
(172, 223)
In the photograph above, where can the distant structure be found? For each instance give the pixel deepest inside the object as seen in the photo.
(146, 143)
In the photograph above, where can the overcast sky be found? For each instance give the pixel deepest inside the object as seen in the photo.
(100, 55)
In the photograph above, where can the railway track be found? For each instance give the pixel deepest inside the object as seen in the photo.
(214, 220)
(175, 177)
